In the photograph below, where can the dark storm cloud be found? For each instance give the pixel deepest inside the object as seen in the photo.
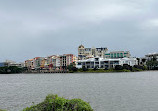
(41, 28)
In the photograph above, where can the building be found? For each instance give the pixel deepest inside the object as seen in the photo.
(152, 56)
(118, 54)
(3, 64)
(85, 53)
(66, 60)
(152, 61)
(56, 62)
(9, 63)
(142, 61)
(105, 63)
(37, 62)
(29, 64)
(75, 58)
(44, 63)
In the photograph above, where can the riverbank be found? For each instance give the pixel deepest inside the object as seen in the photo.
(118, 68)
(105, 71)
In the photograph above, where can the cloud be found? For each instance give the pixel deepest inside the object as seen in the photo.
(40, 28)
(152, 23)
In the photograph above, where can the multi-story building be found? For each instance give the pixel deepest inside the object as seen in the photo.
(8, 63)
(69, 59)
(66, 60)
(75, 58)
(29, 64)
(142, 61)
(152, 61)
(2, 64)
(56, 62)
(33, 64)
(118, 54)
(63, 62)
(152, 56)
(105, 63)
(85, 53)
(37, 62)
(44, 64)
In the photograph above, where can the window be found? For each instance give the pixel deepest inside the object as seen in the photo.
(102, 62)
(96, 62)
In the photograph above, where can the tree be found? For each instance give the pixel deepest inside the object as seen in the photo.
(118, 67)
(152, 65)
(84, 68)
(126, 66)
(95, 68)
(10, 70)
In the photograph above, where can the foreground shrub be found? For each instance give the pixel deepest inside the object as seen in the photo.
(2, 110)
(55, 103)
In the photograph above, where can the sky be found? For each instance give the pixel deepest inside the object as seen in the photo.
(39, 28)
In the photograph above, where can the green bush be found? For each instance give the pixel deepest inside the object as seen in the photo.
(10, 70)
(84, 68)
(118, 67)
(55, 103)
(2, 110)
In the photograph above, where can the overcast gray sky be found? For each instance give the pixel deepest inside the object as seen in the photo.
(30, 28)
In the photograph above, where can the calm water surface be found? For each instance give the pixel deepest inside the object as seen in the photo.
(104, 91)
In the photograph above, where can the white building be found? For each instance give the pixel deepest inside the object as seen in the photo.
(152, 56)
(86, 53)
(56, 61)
(105, 63)
(118, 54)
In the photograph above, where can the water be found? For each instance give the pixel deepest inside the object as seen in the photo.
(104, 91)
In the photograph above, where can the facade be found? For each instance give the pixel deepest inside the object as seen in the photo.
(142, 61)
(11, 63)
(37, 62)
(63, 62)
(29, 64)
(152, 56)
(118, 54)
(69, 59)
(56, 62)
(152, 61)
(3, 64)
(44, 63)
(86, 53)
(106, 63)
(75, 59)
(66, 60)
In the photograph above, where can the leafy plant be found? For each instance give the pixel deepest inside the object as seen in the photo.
(55, 103)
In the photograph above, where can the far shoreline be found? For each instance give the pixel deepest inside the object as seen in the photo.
(85, 72)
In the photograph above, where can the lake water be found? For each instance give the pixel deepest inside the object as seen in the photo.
(136, 91)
